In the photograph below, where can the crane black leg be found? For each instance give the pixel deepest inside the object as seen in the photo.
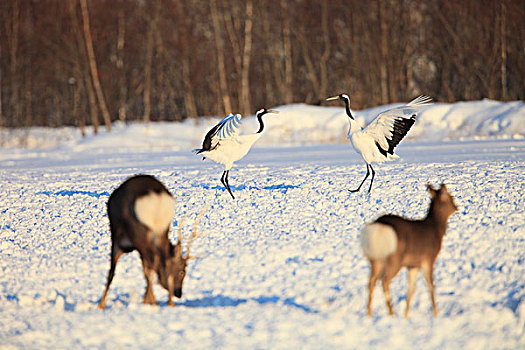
(224, 180)
(362, 182)
(372, 179)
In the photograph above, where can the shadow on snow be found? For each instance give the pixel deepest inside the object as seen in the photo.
(282, 187)
(72, 193)
(219, 301)
(225, 301)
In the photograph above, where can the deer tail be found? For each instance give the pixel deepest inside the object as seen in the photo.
(378, 241)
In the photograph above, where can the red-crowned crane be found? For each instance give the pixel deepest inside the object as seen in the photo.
(224, 145)
(376, 142)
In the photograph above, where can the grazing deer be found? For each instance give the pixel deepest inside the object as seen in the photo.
(392, 242)
(140, 212)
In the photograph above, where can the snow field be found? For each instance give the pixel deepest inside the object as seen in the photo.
(281, 266)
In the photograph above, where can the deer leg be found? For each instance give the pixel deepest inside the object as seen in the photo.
(149, 274)
(412, 277)
(392, 267)
(224, 181)
(428, 274)
(116, 253)
(171, 287)
(170, 299)
(386, 291)
(376, 268)
(362, 182)
(372, 179)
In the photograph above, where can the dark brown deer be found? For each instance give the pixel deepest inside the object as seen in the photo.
(140, 213)
(392, 242)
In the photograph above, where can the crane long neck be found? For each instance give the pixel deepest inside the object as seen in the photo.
(353, 127)
(347, 107)
(261, 124)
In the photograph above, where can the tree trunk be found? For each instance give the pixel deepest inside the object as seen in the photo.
(245, 102)
(13, 36)
(82, 68)
(221, 66)
(323, 62)
(76, 102)
(383, 71)
(93, 110)
(503, 68)
(162, 69)
(148, 65)
(267, 58)
(1, 105)
(28, 97)
(185, 54)
(189, 98)
(121, 37)
(287, 47)
(93, 65)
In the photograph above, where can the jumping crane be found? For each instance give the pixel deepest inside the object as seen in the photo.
(224, 145)
(376, 142)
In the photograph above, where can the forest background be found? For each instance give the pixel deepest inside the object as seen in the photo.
(93, 62)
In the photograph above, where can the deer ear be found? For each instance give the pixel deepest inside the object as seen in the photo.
(431, 191)
(443, 192)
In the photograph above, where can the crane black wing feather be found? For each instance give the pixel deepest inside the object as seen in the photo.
(399, 128)
(206, 144)
(226, 128)
(391, 126)
(399, 131)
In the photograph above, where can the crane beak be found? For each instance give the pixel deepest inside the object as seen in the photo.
(273, 111)
(332, 98)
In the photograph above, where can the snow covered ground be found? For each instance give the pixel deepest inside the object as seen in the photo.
(281, 265)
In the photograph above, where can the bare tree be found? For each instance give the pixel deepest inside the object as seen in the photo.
(1, 104)
(93, 64)
(13, 35)
(81, 74)
(287, 53)
(245, 102)
(121, 40)
(503, 66)
(221, 66)
(149, 59)
(383, 49)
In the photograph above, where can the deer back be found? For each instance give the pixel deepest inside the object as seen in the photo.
(417, 240)
(140, 212)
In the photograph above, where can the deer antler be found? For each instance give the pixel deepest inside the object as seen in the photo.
(180, 228)
(194, 234)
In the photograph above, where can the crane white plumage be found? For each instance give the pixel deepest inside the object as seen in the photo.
(376, 142)
(224, 145)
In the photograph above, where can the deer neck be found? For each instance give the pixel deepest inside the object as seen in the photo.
(437, 220)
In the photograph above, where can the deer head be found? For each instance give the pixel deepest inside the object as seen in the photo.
(176, 264)
(442, 205)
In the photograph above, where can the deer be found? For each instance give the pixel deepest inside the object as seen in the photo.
(140, 213)
(392, 242)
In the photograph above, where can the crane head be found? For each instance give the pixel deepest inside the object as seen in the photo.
(341, 97)
(263, 111)
(346, 99)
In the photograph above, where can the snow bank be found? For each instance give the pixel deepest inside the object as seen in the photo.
(297, 124)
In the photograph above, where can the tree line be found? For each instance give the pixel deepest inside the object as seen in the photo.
(93, 62)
